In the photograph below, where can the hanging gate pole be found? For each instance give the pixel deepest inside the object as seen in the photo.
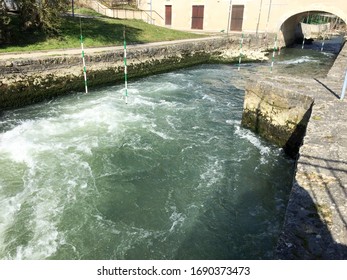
(322, 48)
(84, 62)
(240, 58)
(125, 69)
(273, 54)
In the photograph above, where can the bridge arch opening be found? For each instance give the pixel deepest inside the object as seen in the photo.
(312, 24)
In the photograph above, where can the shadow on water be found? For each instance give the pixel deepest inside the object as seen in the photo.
(254, 236)
(306, 233)
(243, 227)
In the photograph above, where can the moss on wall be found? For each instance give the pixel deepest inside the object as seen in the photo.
(28, 81)
(37, 88)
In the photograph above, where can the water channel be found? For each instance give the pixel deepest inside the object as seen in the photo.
(170, 175)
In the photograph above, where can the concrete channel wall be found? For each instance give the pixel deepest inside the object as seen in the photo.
(281, 109)
(29, 78)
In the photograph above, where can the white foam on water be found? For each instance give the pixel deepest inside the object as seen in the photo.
(46, 147)
(14, 144)
(8, 208)
(142, 101)
(254, 140)
(161, 134)
(164, 87)
(233, 122)
(173, 122)
(328, 54)
(212, 175)
(168, 104)
(133, 235)
(58, 152)
(210, 139)
(176, 218)
(209, 98)
(46, 238)
(300, 60)
(45, 210)
(136, 143)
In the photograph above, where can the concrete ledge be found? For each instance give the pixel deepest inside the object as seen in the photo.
(315, 225)
(276, 113)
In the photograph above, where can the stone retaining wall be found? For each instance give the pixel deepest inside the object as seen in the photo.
(27, 81)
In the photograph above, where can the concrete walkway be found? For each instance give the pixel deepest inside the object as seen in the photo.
(77, 51)
(316, 220)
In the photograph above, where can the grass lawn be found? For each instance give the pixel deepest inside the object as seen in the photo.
(98, 31)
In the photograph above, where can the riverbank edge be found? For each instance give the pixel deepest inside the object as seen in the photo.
(29, 80)
(315, 222)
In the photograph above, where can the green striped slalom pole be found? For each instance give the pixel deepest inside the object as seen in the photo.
(84, 62)
(84, 66)
(273, 54)
(240, 58)
(125, 69)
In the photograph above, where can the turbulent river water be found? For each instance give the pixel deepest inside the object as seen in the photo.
(170, 175)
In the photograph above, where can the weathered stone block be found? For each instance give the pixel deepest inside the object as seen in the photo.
(277, 114)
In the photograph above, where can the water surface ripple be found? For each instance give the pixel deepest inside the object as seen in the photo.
(170, 175)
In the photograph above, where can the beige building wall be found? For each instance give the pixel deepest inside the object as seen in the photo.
(259, 15)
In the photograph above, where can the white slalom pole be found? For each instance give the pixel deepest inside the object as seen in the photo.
(125, 69)
(322, 48)
(273, 54)
(279, 46)
(240, 58)
(84, 62)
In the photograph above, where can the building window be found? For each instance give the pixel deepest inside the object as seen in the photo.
(198, 17)
(237, 17)
(168, 14)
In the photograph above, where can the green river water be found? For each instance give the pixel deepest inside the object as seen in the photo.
(170, 175)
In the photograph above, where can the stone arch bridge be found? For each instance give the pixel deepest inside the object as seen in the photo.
(250, 16)
(286, 19)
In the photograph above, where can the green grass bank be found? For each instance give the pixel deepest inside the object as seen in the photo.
(98, 31)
